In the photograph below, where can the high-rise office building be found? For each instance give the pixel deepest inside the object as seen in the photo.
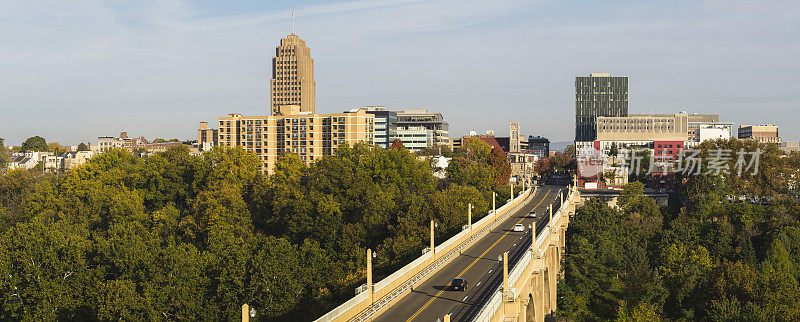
(292, 81)
(599, 94)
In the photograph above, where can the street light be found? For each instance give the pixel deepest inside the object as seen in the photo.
(252, 312)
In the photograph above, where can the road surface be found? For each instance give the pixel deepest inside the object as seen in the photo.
(479, 265)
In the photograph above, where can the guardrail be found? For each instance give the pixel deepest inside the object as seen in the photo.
(494, 303)
(401, 281)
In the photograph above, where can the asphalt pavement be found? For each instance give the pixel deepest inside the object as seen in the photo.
(479, 265)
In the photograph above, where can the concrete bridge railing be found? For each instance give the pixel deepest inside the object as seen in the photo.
(366, 304)
(528, 291)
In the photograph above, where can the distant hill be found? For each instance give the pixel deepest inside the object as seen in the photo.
(559, 146)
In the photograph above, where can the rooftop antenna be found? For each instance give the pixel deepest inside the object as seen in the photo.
(292, 21)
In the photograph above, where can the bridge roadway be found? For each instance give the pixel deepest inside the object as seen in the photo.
(432, 299)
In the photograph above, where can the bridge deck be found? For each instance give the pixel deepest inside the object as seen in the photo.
(478, 265)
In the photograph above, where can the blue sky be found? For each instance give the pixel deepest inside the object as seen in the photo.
(74, 70)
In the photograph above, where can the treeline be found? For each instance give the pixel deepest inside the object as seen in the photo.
(174, 236)
(729, 252)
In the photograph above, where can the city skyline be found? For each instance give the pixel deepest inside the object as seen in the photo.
(160, 68)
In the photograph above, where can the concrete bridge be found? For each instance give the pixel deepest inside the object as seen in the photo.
(508, 278)
(528, 292)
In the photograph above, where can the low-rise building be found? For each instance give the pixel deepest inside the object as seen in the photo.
(761, 133)
(385, 125)
(539, 145)
(206, 137)
(789, 147)
(410, 126)
(105, 143)
(25, 160)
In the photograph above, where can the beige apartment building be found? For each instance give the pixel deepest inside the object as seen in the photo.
(761, 133)
(643, 127)
(292, 81)
(310, 136)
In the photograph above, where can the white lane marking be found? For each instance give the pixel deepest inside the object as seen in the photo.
(465, 298)
(479, 283)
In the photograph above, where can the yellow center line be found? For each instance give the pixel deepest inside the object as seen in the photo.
(473, 263)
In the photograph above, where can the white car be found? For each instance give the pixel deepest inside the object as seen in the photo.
(519, 227)
(532, 214)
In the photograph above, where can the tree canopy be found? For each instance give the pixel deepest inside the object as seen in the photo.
(35, 143)
(181, 237)
(729, 251)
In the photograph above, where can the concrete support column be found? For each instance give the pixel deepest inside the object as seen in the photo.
(245, 313)
(552, 277)
(538, 296)
(547, 276)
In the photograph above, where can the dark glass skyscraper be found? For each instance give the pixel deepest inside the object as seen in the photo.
(599, 94)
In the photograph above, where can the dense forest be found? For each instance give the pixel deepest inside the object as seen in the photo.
(175, 236)
(728, 250)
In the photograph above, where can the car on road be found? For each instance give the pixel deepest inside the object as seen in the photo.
(458, 284)
(532, 214)
(519, 227)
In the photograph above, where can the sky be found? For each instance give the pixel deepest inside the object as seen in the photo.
(71, 71)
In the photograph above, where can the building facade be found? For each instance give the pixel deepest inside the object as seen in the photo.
(539, 146)
(414, 125)
(385, 125)
(707, 127)
(761, 133)
(310, 136)
(513, 137)
(598, 95)
(206, 137)
(292, 81)
(105, 143)
(643, 127)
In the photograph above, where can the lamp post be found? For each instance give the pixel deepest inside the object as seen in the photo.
(433, 248)
(469, 216)
(494, 204)
(505, 272)
(370, 256)
(533, 239)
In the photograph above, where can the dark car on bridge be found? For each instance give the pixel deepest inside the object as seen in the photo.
(458, 284)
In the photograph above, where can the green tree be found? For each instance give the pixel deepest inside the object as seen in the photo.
(35, 143)
(83, 147)
(3, 155)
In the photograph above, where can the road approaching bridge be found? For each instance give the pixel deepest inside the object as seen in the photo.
(478, 265)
